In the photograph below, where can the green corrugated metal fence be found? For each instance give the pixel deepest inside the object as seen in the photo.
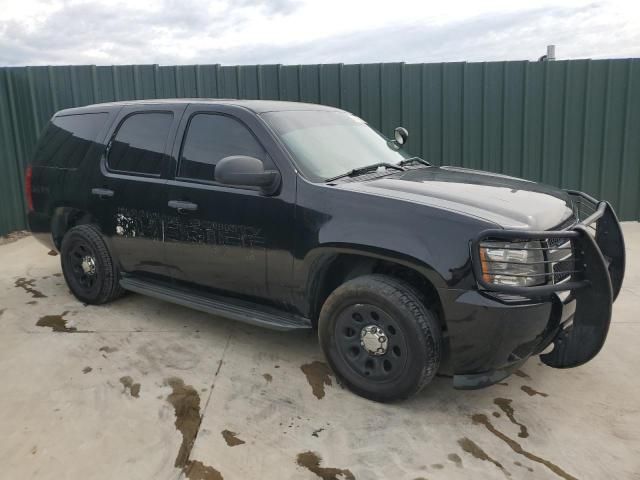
(574, 124)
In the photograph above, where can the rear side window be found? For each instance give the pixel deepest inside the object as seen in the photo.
(139, 143)
(67, 140)
(209, 139)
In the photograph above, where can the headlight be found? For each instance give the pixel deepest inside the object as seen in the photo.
(519, 264)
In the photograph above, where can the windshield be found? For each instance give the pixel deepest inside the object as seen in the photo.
(325, 144)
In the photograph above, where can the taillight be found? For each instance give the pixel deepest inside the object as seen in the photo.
(28, 177)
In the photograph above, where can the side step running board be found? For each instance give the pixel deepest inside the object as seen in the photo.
(236, 310)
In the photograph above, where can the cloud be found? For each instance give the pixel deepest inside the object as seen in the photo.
(295, 31)
(271, 7)
(94, 31)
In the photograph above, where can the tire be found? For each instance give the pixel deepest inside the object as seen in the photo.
(380, 307)
(95, 281)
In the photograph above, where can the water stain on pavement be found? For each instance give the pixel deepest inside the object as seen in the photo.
(318, 375)
(231, 438)
(521, 374)
(481, 419)
(28, 286)
(518, 464)
(531, 392)
(186, 405)
(196, 470)
(505, 406)
(473, 449)
(58, 324)
(127, 383)
(267, 377)
(455, 458)
(311, 461)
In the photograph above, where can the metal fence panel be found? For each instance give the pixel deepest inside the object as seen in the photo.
(574, 124)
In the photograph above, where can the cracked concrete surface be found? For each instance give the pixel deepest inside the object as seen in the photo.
(142, 389)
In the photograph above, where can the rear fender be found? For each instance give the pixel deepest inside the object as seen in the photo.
(64, 218)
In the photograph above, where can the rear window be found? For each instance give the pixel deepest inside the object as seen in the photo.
(139, 144)
(67, 139)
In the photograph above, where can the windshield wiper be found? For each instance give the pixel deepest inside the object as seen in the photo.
(407, 161)
(365, 169)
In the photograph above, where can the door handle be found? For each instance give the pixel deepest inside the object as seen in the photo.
(183, 207)
(102, 192)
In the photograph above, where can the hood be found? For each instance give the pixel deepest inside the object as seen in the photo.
(506, 201)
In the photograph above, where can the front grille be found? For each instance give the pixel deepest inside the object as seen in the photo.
(556, 242)
(562, 270)
(560, 253)
(583, 208)
(565, 225)
(560, 256)
(568, 223)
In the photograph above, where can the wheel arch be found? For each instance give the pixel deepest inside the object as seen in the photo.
(331, 266)
(64, 219)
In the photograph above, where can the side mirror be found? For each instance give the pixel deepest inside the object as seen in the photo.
(400, 135)
(247, 172)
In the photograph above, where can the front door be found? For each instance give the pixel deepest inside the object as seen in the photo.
(221, 238)
(129, 192)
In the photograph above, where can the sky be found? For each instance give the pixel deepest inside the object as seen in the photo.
(240, 32)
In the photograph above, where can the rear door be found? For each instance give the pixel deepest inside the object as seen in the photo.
(130, 192)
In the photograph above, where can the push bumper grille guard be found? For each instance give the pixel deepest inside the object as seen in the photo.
(594, 277)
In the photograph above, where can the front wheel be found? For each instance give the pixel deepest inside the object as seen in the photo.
(381, 341)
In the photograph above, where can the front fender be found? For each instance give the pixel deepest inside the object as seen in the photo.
(333, 222)
(318, 260)
(328, 265)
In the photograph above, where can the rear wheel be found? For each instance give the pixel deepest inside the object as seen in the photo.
(90, 272)
(382, 342)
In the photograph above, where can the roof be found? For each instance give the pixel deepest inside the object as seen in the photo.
(257, 106)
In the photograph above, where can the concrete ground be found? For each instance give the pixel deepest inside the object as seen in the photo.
(122, 391)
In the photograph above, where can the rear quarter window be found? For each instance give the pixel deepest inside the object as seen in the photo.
(67, 140)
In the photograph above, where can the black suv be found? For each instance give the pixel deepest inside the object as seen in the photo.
(297, 216)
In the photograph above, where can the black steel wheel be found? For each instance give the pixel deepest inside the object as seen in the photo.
(371, 342)
(88, 268)
(83, 264)
(379, 338)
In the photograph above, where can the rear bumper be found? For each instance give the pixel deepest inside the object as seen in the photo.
(494, 329)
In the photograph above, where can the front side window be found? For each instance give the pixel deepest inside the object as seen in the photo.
(209, 139)
(139, 144)
(324, 144)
